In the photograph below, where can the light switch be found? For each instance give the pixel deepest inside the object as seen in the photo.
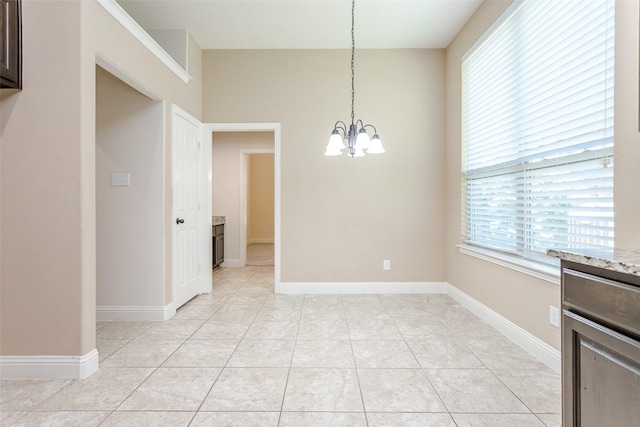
(120, 179)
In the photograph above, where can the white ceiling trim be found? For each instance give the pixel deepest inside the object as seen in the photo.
(307, 24)
(120, 15)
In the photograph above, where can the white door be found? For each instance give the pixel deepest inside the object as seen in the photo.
(186, 137)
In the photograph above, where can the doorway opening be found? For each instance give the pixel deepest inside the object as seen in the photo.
(232, 149)
(259, 209)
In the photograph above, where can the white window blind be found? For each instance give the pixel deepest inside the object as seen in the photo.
(538, 129)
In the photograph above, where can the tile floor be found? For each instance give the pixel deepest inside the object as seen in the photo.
(243, 356)
(260, 254)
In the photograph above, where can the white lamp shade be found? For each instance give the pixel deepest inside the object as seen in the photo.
(362, 142)
(335, 142)
(376, 146)
(332, 151)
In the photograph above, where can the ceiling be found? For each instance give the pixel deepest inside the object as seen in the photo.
(307, 24)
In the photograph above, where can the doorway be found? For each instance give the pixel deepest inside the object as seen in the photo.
(259, 209)
(231, 177)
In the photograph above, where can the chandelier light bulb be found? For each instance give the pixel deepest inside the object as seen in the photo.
(336, 141)
(376, 146)
(363, 141)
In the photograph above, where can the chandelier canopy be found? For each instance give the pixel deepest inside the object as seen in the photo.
(355, 137)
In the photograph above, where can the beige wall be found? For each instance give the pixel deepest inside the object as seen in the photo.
(130, 220)
(521, 298)
(48, 214)
(228, 177)
(48, 171)
(342, 216)
(260, 199)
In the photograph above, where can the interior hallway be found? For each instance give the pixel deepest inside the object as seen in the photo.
(243, 356)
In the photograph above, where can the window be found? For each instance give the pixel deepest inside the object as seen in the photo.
(537, 117)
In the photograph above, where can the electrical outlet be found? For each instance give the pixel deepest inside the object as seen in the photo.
(120, 179)
(554, 316)
(386, 264)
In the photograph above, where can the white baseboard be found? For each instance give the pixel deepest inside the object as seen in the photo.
(339, 288)
(49, 367)
(260, 240)
(530, 343)
(135, 313)
(233, 263)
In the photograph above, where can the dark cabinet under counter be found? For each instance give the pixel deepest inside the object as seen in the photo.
(600, 346)
(217, 243)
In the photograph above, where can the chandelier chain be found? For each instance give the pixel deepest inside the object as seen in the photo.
(353, 49)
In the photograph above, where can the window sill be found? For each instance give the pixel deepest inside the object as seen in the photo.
(539, 270)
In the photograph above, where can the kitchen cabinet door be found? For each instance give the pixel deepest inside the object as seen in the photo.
(10, 44)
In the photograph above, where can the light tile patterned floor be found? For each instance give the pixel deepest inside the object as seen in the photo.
(243, 356)
(260, 254)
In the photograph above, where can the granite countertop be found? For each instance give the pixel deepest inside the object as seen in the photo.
(218, 220)
(619, 260)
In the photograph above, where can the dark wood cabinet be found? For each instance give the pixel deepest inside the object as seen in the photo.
(600, 347)
(10, 44)
(217, 242)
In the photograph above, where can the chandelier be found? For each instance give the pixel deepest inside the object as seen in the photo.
(356, 137)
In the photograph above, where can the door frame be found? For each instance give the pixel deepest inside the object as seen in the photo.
(210, 129)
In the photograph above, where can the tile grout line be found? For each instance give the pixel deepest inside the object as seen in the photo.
(295, 345)
(355, 364)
